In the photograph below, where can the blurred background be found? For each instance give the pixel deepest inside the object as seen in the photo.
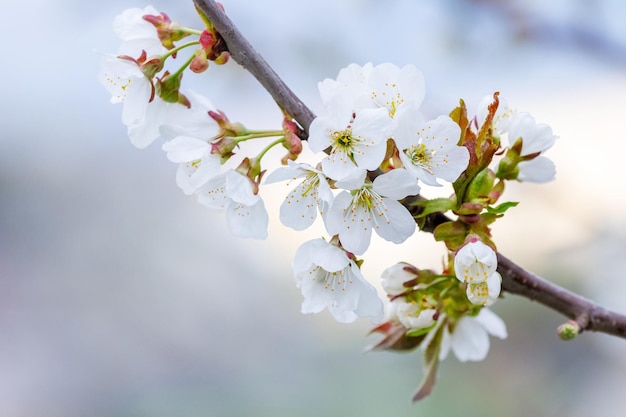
(119, 296)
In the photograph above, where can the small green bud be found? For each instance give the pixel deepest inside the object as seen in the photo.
(569, 330)
(452, 233)
(481, 185)
(168, 88)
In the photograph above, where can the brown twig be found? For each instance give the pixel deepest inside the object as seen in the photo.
(516, 280)
(246, 56)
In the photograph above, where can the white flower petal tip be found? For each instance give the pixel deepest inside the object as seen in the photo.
(328, 278)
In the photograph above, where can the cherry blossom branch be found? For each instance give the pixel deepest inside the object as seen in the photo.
(584, 314)
(242, 51)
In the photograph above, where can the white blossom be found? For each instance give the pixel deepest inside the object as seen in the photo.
(245, 212)
(374, 206)
(537, 170)
(143, 112)
(429, 150)
(328, 278)
(351, 83)
(189, 132)
(197, 163)
(358, 139)
(126, 83)
(469, 339)
(313, 194)
(136, 33)
(536, 137)
(392, 88)
(485, 293)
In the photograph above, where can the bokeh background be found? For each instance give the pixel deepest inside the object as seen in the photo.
(119, 296)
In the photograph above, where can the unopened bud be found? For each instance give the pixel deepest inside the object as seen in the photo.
(569, 330)
(481, 185)
(199, 63)
(167, 31)
(168, 88)
(222, 58)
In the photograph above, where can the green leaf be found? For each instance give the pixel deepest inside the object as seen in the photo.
(435, 205)
(419, 332)
(502, 208)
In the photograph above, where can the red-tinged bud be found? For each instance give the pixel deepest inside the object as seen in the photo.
(226, 127)
(199, 63)
(222, 58)
(496, 192)
(470, 218)
(158, 21)
(251, 169)
(149, 68)
(224, 147)
(167, 31)
(468, 209)
(292, 141)
(214, 46)
(152, 67)
(207, 40)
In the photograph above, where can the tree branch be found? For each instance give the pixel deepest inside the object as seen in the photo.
(516, 280)
(242, 52)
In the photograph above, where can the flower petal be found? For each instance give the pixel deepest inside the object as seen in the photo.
(470, 341)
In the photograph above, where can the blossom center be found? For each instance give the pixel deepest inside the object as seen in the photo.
(475, 272)
(310, 183)
(120, 84)
(344, 142)
(365, 209)
(331, 280)
(420, 156)
(390, 98)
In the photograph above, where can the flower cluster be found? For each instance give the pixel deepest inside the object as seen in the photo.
(375, 152)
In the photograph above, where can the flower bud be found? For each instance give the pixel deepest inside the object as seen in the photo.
(569, 330)
(394, 278)
(414, 317)
(292, 141)
(222, 58)
(167, 31)
(475, 262)
(507, 169)
(251, 168)
(468, 209)
(199, 63)
(168, 88)
(481, 185)
(226, 127)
